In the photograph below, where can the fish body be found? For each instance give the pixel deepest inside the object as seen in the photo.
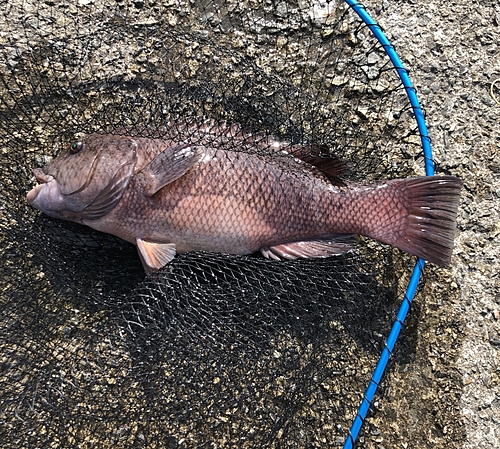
(238, 195)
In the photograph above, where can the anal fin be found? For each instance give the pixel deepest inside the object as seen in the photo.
(325, 246)
(154, 255)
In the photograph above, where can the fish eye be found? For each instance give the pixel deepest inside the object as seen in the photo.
(76, 147)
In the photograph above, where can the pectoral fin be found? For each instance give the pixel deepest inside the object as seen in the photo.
(154, 255)
(169, 165)
(325, 246)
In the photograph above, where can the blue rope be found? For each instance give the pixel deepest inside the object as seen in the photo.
(419, 266)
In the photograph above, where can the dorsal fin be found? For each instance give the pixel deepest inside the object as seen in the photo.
(329, 164)
(199, 128)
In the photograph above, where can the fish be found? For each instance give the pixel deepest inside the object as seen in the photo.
(202, 185)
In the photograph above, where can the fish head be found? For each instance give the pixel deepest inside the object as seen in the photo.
(88, 180)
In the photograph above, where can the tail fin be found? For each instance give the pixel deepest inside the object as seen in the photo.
(430, 218)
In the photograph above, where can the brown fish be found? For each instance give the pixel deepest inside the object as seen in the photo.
(238, 194)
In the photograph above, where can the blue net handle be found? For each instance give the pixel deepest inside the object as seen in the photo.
(419, 266)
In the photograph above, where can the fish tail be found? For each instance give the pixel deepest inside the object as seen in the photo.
(418, 215)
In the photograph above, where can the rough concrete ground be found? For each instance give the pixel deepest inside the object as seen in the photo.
(452, 51)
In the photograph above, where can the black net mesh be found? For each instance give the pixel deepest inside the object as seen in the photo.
(214, 350)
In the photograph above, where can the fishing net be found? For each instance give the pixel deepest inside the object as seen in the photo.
(213, 350)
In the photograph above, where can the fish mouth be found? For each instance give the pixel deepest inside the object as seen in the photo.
(41, 178)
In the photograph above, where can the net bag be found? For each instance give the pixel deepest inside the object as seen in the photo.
(213, 350)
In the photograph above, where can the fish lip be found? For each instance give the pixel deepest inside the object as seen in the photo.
(41, 177)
